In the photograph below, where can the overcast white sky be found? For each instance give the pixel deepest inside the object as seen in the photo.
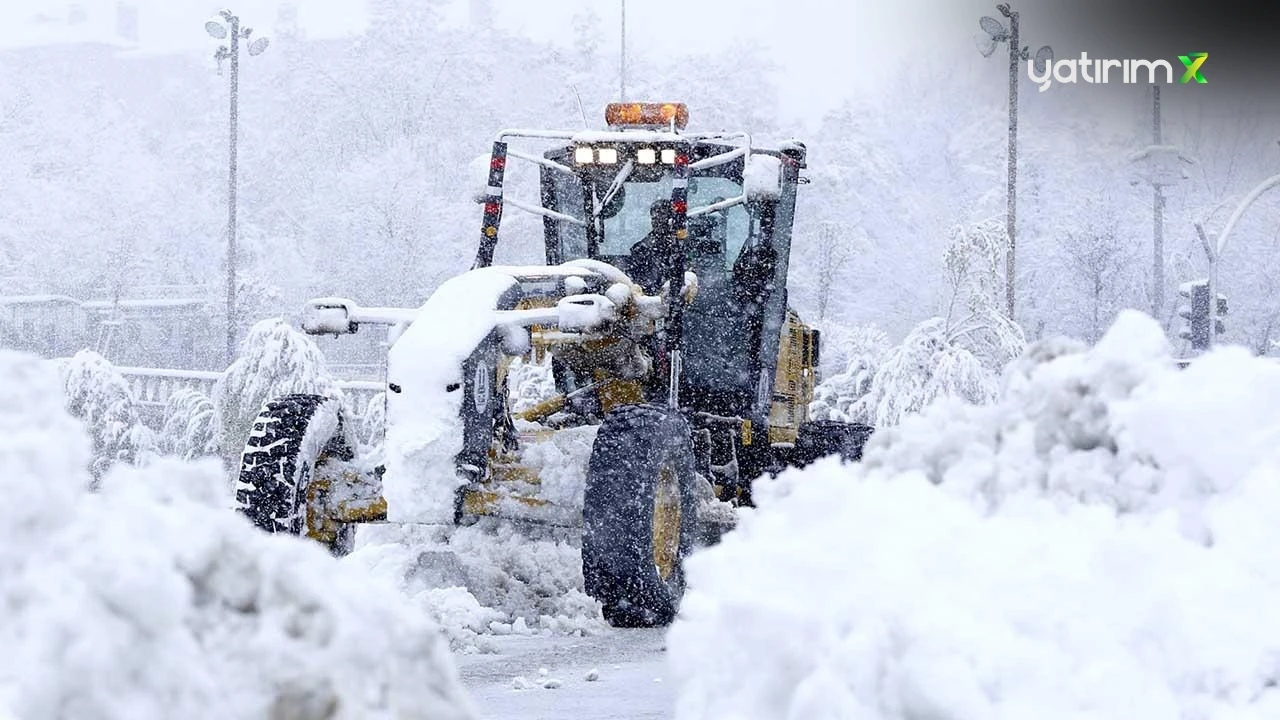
(828, 48)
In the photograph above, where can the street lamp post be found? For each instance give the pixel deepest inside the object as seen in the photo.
(1161, 166)
(1214, 250)
(231, 51)
(997, 33)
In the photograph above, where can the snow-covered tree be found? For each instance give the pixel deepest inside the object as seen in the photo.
(929, 364)
(587, 36)
(190, 427)
(959, 355)
(100, 398)
(275, 359)
(861, 351)
(974, 319)
(1101, 262)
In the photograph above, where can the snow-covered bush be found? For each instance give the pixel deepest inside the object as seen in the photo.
(926, 366)
(275, 359)
(369, 418)
(99, 396)
(1098, 542)
(146, 601)
(863, 350)
(190, 427)
(843, 344)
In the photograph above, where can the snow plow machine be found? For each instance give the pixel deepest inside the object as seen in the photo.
(680, 373)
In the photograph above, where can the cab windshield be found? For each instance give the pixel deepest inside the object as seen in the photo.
(717, 236)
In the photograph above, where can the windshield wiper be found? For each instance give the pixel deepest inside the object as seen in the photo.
(615, 186)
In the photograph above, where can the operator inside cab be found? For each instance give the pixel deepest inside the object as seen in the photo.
(647, 261)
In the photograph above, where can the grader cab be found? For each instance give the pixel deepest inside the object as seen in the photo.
(681, 375)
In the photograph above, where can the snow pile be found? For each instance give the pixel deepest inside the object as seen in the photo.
(561, 462)
(145, 600)
(1098, 543)
(529, 383)
(100, 398)
(483, 579)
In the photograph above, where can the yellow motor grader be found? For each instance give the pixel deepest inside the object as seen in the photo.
(680, 373)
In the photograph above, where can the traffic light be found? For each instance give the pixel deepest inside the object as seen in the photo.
(1221, 328)
(1196, 313)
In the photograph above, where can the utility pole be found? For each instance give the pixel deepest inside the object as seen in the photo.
(232, 250)
(1015, 53)
(622, 65)
(1157, 267)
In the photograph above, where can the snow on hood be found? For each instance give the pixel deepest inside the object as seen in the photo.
(1098, 543)
(424, 422)
(149, 601)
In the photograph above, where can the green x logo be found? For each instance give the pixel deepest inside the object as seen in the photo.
(1193, 63)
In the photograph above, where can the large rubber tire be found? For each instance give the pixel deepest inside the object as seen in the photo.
(280, 458)
(821, 438)
(640, 453)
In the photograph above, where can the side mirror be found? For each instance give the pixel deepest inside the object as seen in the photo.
(795, 150)
(762, 177)
(329, 316)
(478, 177)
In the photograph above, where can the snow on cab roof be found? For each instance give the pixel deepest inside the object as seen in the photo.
(652, 136)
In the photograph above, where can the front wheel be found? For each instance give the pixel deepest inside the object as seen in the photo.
(291, 437)
(640, 515)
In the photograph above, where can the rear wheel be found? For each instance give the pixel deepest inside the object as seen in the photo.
(640, 515)
(292, 436)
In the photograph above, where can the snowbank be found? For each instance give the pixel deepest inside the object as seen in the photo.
(485, 579)
(146, 600)
(1097, 543)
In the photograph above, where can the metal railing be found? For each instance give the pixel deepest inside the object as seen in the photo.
(153, 387)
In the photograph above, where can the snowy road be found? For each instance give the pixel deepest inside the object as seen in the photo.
(632, 677)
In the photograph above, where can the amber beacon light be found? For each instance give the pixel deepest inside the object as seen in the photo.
(647, 115)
